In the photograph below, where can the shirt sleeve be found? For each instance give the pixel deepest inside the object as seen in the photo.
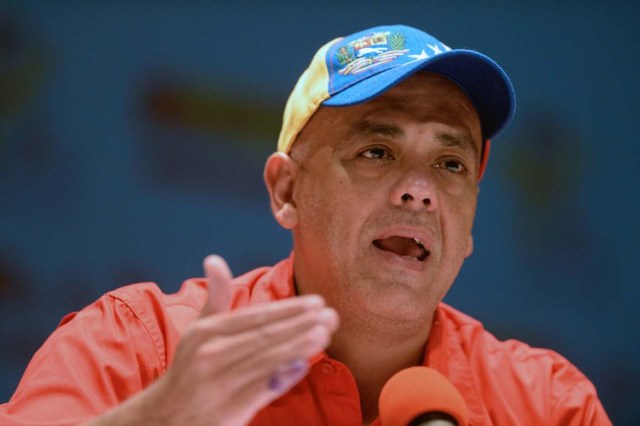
(580, 406)
(94, 360)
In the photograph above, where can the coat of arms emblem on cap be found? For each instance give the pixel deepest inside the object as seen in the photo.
(370, 51)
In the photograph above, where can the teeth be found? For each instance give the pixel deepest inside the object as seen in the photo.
(417, 241)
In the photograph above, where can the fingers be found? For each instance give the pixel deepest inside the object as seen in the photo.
(290, 337)
(228, 365)
(261, 389)
(267, 374)
(255, 392)
(300, 347)
(253, 317)
(219, 285)
(287, 375)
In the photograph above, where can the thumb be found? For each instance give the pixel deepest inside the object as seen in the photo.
(219, 279)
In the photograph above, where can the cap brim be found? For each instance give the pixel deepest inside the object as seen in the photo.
(481, 78)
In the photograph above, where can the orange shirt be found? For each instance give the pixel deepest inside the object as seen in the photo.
(117, 346)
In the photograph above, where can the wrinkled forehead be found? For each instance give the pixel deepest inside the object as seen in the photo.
(421, 98)
(428, 91)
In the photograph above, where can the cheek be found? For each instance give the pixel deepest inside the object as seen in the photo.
(458, 188)
(331, 213)
(319, 213)
(458, 213)
(468, 212)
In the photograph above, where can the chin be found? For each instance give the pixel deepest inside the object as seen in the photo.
(398, 322)
(400, 301)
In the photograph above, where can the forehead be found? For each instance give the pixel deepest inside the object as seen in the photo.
(424, 92)
(421, 98)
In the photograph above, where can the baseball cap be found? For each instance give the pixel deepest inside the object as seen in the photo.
(354, 69)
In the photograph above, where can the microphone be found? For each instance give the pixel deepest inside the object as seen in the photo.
(421, 396)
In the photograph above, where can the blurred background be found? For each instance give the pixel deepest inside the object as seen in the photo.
(133, 134)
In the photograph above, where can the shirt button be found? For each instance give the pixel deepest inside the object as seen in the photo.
(327, 368)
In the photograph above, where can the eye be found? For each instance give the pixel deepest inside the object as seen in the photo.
(377, 153)
(451, 165)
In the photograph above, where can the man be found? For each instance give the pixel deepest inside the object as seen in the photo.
(384, 140)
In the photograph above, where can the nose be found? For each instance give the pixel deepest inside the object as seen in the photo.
(414, 189)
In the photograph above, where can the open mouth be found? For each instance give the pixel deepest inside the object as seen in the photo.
(408, 248)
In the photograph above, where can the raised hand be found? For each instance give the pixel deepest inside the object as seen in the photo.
(230, 364)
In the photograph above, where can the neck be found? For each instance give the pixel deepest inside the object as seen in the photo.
(374, 357)
(374, 340)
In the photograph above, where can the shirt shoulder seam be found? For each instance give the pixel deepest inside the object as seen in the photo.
(140, 314)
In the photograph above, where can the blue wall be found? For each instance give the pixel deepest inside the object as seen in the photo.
(132, 138)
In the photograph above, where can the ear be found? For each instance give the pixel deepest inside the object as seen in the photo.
(279, 176)
(469, 247)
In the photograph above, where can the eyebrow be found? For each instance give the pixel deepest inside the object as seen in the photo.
(457, 141)
(376, 128)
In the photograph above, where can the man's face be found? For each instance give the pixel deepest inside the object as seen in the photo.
(385, 195)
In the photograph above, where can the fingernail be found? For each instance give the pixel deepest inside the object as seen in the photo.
(319, 332)
(212, 259)
(328, 316)
(313, 302)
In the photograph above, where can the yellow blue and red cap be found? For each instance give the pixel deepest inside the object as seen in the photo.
(354, 69)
